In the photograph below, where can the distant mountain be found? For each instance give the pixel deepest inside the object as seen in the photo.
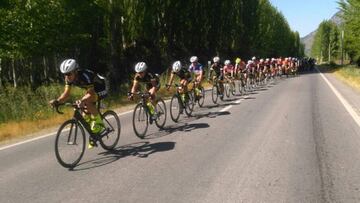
(308, 40)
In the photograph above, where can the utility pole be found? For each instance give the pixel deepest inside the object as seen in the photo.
(342, 47)
(329, 59)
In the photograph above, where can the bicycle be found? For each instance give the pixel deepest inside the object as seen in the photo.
(242, 84)
(72, 132)
(179, 102)
(229, 86)
(198, 94)
(215, 90)
(142, 116)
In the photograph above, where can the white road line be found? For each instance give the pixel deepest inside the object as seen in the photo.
(226, 108)
(229, 107)
(346, 104)
(54, 133)
(43, 136)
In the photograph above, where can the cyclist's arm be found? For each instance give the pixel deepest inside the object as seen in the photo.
(153, 82)
(135, 86)
(90, 93)
(171, 79)
(65, 95)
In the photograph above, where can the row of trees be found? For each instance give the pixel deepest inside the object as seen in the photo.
(326, 43)
(109, 36)
(351, 26)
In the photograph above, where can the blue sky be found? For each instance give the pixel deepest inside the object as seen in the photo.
(305, 16)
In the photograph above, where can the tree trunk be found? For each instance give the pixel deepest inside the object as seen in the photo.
(114, 71)
(0, 76)
(31, 74)
(45, 69)
(13, 72)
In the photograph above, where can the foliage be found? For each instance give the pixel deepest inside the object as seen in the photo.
(326, 42)
(351, 16)
(110, 36)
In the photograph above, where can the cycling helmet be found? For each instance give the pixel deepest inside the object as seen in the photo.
(68, 66)
(249, 62)
(253, 58)
(267, 59)
(216, 59)
(261, 60)
(193, 59)
(176, 66)
(227, 62)
(238, 60)
(140, 67)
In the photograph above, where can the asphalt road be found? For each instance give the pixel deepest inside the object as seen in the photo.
(292, 141)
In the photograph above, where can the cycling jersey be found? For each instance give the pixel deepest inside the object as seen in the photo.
(183, 74)
(148, 79)
(196, 68)
(228, 69)
(87, 79)
(217, 69)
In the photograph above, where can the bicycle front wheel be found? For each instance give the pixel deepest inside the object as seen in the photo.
(227, 90)
(160, 109)
(232, 88)
(190, 103)
(201, 98)
(140, 121)
(214, 94)
(70, 143)
(175, 108)
(113, 128)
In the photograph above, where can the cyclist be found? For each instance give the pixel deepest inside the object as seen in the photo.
(93, 83)
(152, 85)
(183, 74)
(219, 75)
(228, 70)
(196, 68)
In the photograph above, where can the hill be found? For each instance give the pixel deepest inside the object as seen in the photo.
(309, 39)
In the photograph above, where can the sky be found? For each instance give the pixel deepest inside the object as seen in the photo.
(305, 16)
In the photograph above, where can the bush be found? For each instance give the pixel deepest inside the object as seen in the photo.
(24, 103)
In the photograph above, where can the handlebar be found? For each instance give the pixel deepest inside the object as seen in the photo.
(141, 94)
(57, 105)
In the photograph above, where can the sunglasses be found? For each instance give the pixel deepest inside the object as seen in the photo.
(68, 74)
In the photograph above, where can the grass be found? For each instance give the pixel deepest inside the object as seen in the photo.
(350, 74)
(25, 111)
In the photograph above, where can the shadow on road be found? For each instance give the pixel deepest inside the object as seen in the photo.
(138, 149)
(183, 127)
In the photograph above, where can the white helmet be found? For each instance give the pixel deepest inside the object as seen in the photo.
(216, 59)
(253, 58)
(267, 59)
(227, 62)
(193, 59)
(261, 60)
(176, 66)
(68, 66)
(249, 62)
(140, 67)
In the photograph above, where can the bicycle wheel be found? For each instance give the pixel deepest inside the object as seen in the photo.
(161, 114)
(140, 121)
(190, 103)
(227, 90)
(112, 125)
(232, 88)
(239, 87)
(201, 99)
(214, 93)
(70, 143)
(175, 108)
